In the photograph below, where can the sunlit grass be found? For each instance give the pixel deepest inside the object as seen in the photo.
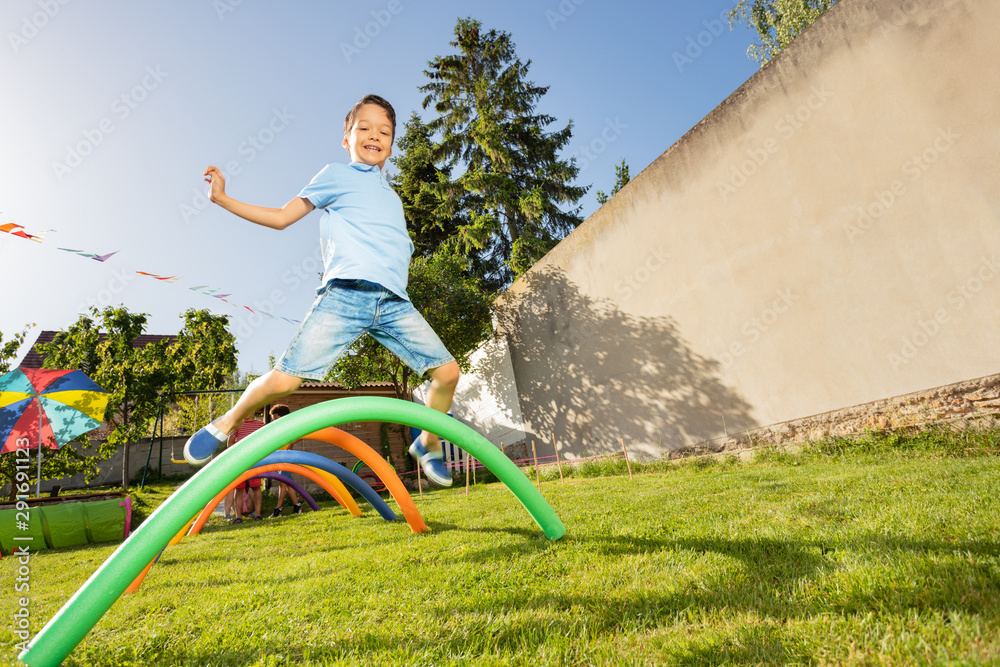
(860, 553)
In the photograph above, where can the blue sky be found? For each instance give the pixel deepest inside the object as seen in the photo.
(112, 110)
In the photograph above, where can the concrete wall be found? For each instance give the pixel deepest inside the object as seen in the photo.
(828, 236)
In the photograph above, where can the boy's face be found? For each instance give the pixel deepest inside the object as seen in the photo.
(370, 139)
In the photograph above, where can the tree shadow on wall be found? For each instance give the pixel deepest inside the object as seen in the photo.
(590, 374)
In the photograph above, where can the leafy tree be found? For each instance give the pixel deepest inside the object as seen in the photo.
(453, 303)
(9, 349)
(776, 22)
(507, 201)
(621, 180)
(204, 355)
(140, 380)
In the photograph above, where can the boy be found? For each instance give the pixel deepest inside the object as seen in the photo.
(366, 256)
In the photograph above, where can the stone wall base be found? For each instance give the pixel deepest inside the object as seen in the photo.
(970, 401)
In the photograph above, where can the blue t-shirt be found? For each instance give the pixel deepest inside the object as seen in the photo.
(363, 232)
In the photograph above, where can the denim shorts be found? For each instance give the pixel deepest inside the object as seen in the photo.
(344, 311)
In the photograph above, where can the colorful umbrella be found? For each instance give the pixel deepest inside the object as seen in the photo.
(50, 407)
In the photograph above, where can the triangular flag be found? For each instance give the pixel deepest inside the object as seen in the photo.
(166, 279)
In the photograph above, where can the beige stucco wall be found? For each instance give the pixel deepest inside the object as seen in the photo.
(486, 398)
(828, 236)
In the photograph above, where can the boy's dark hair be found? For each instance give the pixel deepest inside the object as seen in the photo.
(370, 99)
(279, 410)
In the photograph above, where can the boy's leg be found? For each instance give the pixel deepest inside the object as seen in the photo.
(427, 448)
(444, 380)
(258, 501)
(272, 385)
(296, 501)
(230, 502)
(239, 502)
(405, 332)
(281, 499)
(265, 389)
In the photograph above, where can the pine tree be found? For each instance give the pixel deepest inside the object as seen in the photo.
(506, 205)
(429, 225)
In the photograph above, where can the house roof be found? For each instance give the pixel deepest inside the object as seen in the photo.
(35, 359)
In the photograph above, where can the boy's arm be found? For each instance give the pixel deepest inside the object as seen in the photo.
(275, 218)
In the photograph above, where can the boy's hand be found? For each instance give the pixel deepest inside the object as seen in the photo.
(275, 218)
(217, 182)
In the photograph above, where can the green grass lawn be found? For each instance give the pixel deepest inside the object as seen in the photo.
(887, 552)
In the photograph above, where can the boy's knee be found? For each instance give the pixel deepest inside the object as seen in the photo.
(282, 383)
(448, 375)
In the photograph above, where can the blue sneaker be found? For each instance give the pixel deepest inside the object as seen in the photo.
(432, 462)
(200, 446)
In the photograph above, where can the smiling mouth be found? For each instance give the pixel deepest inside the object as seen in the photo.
(373, 149)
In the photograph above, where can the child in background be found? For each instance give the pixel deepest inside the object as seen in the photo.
(278, 411)
(251, 486)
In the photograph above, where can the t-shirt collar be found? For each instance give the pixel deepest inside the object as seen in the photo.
(361, 166)
(383, 176)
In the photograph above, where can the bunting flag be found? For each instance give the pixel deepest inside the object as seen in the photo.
(98, 258)
(15, 229)
(166, 279)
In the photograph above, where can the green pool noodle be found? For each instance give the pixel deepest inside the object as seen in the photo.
(92, 600)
